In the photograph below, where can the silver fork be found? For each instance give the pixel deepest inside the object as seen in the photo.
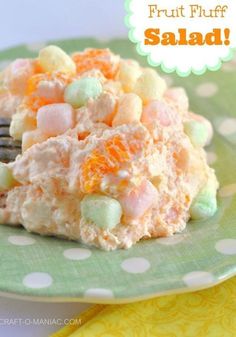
(9, 148)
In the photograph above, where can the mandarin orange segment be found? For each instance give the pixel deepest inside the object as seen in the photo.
(105, 160)
(37, 67)
(96, 59)
(36, 79)
(35, 102)
(116, 149)
(83, 135)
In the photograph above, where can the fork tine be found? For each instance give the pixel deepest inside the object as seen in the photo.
(5, 121)
(9, 148)
(9, 142)
(8, 155)
(4, 131)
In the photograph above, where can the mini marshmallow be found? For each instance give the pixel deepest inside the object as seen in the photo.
(104, 211)
(129, 110)
(7, 180)
(129, 72)
(157, 111)
(21, 122)
(197, 132)
(204, 204)
(80, 91)
(55, 119)
(207, 124)
(139, 200)
(150, 85)
(17, 75)
(53, 58)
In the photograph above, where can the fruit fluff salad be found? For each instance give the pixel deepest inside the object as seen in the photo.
(110, 154)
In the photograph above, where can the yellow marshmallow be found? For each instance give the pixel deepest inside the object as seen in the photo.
(30, 138)
(129, 110)
(7, 180)
(21, 122)
(150, 85)
(128, 74)
(53, 58)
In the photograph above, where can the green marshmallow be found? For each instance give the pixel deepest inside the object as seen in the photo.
(104, 211)
(197, 132)
(78, 92)
(6, 178)
(204, 205)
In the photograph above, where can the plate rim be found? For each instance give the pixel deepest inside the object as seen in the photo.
(115, 300)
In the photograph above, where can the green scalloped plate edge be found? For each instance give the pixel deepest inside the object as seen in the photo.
(94, 300)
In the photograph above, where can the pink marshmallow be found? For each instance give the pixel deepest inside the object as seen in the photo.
(19, 64)
(139, 200)
(55, 119)
(18, 74)
(178, 97)
(157, 111)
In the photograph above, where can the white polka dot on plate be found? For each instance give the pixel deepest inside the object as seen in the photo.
(207, 89)
(77, 253)
(172, 240)
(227, 191)
(20, 240)
(229, 66)
(211, 157)
(37, 280)
(227, 127)
(198, 279)
(135, 265)
(99, 293)
(35, 47)
(226, 246)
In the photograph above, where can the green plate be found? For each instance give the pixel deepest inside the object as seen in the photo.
(52, 269)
